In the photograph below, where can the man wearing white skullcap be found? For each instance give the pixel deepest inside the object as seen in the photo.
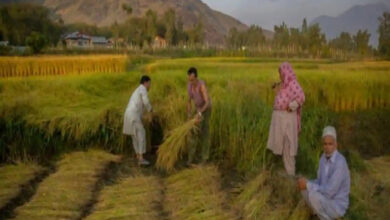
(328, 195)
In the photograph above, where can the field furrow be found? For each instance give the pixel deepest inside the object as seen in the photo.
(15, 180)
(64, 194)
(135, 197)
(196, 194)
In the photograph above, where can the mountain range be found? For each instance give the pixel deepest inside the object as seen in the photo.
(364, 17)
(216, 24)
(106, 12)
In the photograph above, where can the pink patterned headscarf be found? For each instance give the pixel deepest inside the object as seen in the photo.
(290, 91)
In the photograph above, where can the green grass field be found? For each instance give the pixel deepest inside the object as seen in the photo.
(42, 118)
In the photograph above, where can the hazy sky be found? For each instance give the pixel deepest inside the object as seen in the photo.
(267, 13)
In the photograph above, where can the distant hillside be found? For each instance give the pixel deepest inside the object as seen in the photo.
(357, 17)
(106, 12)
(21, 1)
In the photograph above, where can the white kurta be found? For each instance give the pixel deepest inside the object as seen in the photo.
(138, 102)
(132, 124)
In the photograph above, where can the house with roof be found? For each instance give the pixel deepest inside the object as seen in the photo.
(77, 40)
(4, 43)
(100, 41)
(159, 42)
(80, 40)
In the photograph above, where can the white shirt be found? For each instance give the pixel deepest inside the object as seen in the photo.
(138, 102)
(333, 182)
(328, 162)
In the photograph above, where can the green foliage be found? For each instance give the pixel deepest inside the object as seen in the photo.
(196, 35)
(361, 40)
(127, 8)
(384, 35)
(253, 37)
(19, 21)
(358, 43)
(141, 31)
(281, 36)
(36, 41)
(309, 39)
(343, 42)
(4, 50)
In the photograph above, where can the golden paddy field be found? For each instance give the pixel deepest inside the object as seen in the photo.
(65, 114)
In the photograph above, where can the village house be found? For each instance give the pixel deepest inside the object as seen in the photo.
(159, 42)
(80, 40)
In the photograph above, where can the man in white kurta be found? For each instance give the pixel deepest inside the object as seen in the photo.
(132, 125)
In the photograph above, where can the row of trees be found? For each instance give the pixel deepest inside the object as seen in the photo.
(307, 38)
(35, 26)
(253, 37)
(310, 39)
(358, 43)
(141, 31)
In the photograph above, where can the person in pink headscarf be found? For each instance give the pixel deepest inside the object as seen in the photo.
(286, 117)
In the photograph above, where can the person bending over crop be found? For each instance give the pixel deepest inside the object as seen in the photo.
(132, 124)
(286, 118)
(328, 195)
(197, 93)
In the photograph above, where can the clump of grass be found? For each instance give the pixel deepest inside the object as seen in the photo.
(250, 201)
(270, 196)
(63, 194)
(196, 194)
(135, 197)
(380, 168)
(175, 145)
(13, 177)
(301, 211)
(370, 191)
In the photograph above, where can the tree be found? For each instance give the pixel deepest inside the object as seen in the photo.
(254, 37)
(360, 41)
(196, 35)
(281, 36)
(295, 37)
(384, 35)
(182, 35)
(304, 26)
(170, 24)
(233, 38)
(315, 39)
(343, 42)
(36, 41)
(18, 21)
(127, 8)
(151, 25)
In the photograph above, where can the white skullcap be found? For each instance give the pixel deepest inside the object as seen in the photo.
(329, 131)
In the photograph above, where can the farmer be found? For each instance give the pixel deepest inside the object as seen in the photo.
(132, 124)
(197, 93)
(328, 195)
(286, 118)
